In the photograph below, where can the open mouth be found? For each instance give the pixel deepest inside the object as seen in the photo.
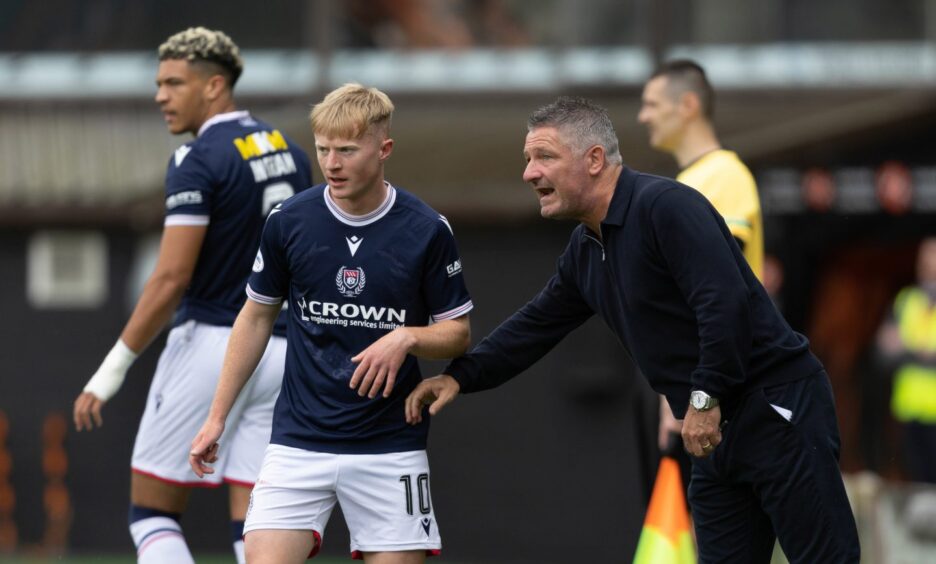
(543, 192)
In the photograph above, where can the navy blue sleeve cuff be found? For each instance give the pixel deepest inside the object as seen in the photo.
(715, 384)
(460, 370)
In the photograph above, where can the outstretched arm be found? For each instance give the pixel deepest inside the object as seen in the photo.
(178, 254)
(378, 364)
(516, 344)
(248, 340)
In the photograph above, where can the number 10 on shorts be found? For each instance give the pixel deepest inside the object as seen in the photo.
(422, 491)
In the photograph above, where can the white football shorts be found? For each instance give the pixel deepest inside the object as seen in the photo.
(178, 402)
(385, 498)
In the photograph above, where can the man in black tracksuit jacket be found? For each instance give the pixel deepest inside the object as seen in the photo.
(657, 263)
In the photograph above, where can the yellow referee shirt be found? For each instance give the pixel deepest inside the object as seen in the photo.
(722, 178)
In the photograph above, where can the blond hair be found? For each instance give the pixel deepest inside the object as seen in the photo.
(350, 111)
(201, 45)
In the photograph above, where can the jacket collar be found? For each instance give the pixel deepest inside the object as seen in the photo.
(620, 201)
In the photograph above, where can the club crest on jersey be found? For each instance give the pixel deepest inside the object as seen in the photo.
(350, 281)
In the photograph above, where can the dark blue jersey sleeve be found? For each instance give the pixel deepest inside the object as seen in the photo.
(443, 282)
(269, 281)
(526, 336)
(697, 248)
(189, 188)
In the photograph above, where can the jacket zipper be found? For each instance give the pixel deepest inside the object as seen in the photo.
(600, 244)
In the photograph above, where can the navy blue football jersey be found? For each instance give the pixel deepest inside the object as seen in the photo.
(229, 178)
(350, 280)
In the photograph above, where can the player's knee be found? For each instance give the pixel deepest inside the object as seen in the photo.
(271, 546)
(154, 493)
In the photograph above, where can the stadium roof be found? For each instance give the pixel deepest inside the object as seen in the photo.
(81, 133)
(826, 65)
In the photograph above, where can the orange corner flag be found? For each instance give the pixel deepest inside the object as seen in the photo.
(666, 538)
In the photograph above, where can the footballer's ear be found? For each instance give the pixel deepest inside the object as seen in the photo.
(386, 147)
(215, 86)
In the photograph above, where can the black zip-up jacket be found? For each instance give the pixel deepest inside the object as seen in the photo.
(668, 278)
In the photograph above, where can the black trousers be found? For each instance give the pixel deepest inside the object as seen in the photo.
(773, 479)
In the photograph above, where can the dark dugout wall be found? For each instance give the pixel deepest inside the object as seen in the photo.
(551, 467)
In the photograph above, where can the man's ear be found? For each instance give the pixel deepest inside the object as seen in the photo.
(689, 104)
(595, 159)
(215, 85)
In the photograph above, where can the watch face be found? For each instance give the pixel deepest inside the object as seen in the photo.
(698, 400)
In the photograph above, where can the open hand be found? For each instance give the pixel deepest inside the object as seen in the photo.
(379, 363)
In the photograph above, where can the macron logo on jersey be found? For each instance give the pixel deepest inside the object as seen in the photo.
(258, 262)
(353, 243)
(447, 224)
(181, 153)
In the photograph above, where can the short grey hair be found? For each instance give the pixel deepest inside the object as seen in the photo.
(584, 123)
(203, 45)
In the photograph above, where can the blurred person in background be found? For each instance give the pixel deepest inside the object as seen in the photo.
(374, 280)
(907, 342)
(659, 265)
(219, 189)
(677, 108)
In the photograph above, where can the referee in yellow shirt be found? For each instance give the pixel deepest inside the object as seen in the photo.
(677, 109)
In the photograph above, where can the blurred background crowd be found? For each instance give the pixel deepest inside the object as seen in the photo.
(831, 104)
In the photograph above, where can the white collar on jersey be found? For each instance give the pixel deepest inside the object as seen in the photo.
(361, 220)
(229, 116)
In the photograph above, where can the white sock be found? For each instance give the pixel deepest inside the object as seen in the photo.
(239, 552)
(159, 540)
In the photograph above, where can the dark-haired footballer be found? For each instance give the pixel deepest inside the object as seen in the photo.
(220, 187)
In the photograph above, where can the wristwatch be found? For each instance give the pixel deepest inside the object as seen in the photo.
(701, 401)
